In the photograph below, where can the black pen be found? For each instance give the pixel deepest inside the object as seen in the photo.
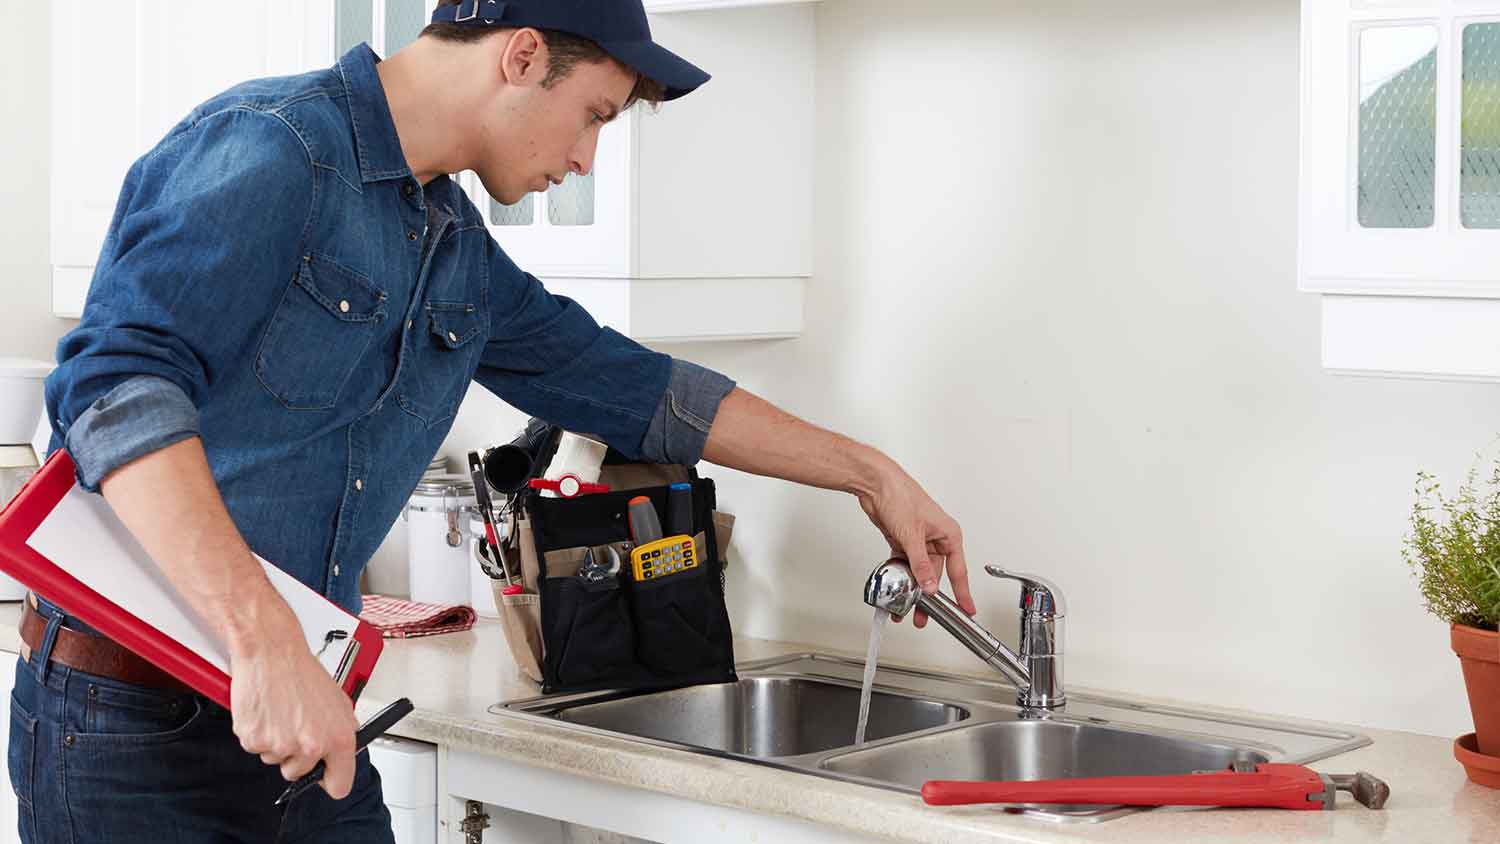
(371, 730)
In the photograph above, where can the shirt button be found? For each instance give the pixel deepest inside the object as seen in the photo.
(335, 569)
(359, 484)
(408, 325)
(344, 306)
(411, 235)
(408, 189)
(453, 338)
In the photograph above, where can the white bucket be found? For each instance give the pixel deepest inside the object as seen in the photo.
(21, 403)
(437, 514)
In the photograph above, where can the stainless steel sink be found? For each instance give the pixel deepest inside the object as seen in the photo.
(762, 716)
(798, 712)
(1037, 750)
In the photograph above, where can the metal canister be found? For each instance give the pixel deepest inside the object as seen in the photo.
(438, 538)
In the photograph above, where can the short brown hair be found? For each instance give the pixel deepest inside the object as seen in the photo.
(564, 51)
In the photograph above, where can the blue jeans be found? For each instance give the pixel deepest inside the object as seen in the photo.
(98, 761)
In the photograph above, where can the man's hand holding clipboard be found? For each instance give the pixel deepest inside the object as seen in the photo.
(171, 579)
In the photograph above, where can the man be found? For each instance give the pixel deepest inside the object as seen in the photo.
(291, 302)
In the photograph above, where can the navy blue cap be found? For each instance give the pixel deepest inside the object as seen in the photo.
(619, 27)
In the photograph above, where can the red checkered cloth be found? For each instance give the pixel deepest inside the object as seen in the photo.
(397, 618)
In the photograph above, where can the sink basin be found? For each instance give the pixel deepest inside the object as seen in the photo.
(762, 717)
(1036, 750)
(797, 713)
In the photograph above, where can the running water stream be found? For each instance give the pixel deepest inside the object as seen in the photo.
(876, 625)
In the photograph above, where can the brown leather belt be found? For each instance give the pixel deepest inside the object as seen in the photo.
(94, 654)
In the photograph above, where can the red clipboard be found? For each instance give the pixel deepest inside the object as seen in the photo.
(25, 513)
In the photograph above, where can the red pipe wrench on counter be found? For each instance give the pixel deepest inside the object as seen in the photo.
(1270, 784)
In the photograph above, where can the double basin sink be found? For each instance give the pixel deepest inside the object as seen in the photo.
(798, 713)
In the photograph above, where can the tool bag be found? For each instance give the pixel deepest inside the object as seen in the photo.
(574, 635)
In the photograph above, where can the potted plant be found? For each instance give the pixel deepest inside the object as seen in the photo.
(1454, 552)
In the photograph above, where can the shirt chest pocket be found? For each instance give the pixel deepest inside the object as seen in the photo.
(319, 334)
(441, 361)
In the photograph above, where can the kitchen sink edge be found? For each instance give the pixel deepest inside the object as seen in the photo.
(982, 703)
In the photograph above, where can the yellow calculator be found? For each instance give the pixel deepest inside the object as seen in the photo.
(663, 557)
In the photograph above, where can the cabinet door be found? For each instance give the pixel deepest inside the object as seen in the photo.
(583, 228)
(1400, 181)
(124, 73)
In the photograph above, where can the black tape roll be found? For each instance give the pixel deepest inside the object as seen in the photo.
(507, 467)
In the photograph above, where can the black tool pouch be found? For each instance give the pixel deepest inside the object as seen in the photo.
(618, 634)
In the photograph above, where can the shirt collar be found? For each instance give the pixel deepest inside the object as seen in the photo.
(375, 136)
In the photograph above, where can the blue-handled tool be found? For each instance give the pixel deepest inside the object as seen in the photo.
(680, 509)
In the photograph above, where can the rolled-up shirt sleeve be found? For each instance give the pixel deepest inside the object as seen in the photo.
(679, 428)
(138, 417)
(549, 358)
(207, 227)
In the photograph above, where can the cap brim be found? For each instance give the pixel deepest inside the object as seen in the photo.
(679, 76)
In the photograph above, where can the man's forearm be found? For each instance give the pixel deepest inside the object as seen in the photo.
(170, 503)
(753, 435)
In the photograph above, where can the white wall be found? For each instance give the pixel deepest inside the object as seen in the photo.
(1056, 280)
(27, 327)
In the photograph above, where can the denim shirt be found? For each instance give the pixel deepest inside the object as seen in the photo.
(276, 282)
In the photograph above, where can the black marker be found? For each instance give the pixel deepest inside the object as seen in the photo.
(372, 729)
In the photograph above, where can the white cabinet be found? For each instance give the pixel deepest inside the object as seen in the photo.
(408, 781)
(123, 73)
(696, 221)
(522, 804)
(1400, 183)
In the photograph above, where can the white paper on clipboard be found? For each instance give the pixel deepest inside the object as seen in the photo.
(83, 536)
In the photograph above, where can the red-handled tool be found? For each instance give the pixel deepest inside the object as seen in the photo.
(486, 513)
(568, 486)
(1271, 785)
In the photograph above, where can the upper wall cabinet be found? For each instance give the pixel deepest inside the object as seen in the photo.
(694, 224)
(123, 73)
(1400, 180)
(696, 219)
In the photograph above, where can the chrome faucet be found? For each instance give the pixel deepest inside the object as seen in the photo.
(1036, 672)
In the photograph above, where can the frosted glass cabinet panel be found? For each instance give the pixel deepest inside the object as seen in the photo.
(353, 23)
(386, 25)
(1397, 126)
(523, 213)
(572, 202)
(404, 20)
(568, 204)
(1479, 185)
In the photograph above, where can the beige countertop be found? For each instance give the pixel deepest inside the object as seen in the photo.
(454, 678)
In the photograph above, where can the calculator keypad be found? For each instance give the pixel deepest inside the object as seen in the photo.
(664, 557)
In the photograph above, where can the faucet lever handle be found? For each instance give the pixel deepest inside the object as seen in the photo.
(1039, 595)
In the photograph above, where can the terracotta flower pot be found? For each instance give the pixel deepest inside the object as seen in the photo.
(1479, 652)
(1482, 770)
